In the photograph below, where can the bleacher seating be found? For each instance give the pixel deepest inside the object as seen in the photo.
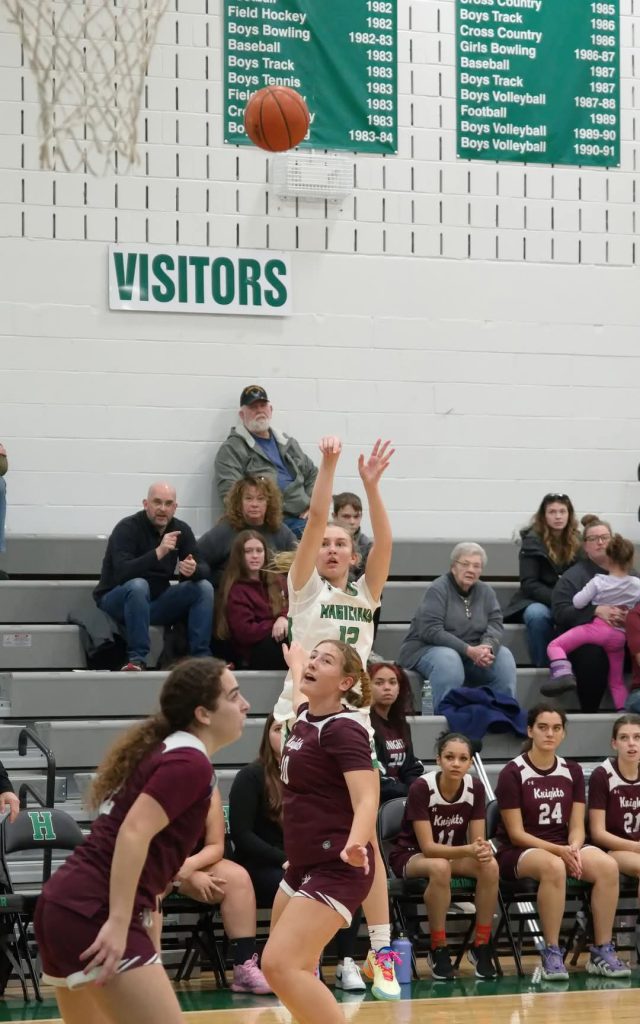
(78, 713)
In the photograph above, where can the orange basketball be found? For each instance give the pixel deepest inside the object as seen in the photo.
(276, 118)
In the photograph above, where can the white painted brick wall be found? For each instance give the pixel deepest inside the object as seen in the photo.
(484, 316)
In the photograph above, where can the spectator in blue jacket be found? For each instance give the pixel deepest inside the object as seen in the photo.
(455, 637)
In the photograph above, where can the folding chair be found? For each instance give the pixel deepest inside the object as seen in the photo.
(409, 891)
(202, 943)
(521, 894)
(43, 831)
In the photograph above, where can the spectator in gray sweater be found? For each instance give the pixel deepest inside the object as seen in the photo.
(455, 638)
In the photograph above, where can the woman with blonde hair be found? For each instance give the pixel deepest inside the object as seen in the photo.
(324, 605)
(330, 803)
(94, 918)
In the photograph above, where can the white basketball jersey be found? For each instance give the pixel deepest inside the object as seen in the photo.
(319, 612)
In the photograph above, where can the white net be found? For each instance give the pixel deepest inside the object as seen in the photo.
(89, 58)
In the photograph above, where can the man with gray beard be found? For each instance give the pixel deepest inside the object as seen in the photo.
(255, 448)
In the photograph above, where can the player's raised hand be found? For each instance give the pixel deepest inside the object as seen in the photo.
(330, 446)
(371, 469)
(296, 657)
(357, 856)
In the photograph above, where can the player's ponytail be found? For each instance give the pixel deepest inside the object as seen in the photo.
(281, 562)
(193, 683)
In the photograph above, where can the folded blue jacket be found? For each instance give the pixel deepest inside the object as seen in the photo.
(476, 710)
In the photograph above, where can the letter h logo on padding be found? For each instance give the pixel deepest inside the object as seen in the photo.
(42, 825)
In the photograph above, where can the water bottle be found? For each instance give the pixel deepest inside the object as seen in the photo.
(403, 948)
(427, 698)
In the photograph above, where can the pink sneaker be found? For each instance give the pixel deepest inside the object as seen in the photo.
(248, 977)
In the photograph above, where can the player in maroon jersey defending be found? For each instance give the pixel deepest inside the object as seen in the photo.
(154, 787)
(542, 803)
(443, 835)
(330, 801)
(614, 798)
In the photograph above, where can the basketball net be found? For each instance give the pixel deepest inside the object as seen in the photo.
(89, 59)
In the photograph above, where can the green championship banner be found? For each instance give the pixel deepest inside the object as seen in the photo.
(341, 55)
(177, 279)
(538, 81)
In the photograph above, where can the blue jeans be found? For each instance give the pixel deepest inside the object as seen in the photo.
(295, 524)
(538, 620)
(3, 510)
(131, 604)
(632, 704)
(447, 670)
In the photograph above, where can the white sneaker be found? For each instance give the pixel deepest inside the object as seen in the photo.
(348, 976)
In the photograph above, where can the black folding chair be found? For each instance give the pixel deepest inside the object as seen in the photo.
(410, 891)
(42, 831)
(518, 898)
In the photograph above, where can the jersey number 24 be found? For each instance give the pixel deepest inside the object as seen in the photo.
(547, 814)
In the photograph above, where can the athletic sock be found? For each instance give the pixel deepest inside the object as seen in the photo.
(379, 936)
(483, 934)
(242, 949)
(438, 939)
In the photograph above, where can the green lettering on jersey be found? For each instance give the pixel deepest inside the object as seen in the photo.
(345, 612)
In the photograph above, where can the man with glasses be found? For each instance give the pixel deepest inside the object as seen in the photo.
(455, 637)
(590, 662)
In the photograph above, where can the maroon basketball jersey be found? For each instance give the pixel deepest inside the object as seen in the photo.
(609, 791)
(394, 744)
(178, 775)
(545, 798)
(449, 819)
(317, 811)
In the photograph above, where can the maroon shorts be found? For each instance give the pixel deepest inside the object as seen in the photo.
(507, 858)
(62, 935)
(333, 882)
(399, 859)
(510, 865)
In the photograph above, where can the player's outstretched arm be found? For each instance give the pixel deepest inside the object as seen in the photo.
(379, 560)
(307, 550)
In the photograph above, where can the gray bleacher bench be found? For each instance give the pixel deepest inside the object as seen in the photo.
(28, 647)
(36, 555)
(50, 601)
(40, 695)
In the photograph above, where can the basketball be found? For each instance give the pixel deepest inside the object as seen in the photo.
(276, 118)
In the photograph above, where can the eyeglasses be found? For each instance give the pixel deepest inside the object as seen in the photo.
(470, 565)
(554, 496)
(600, 538)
